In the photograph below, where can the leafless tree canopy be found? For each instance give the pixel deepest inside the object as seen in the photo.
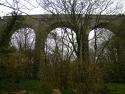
(23, 39)
(80, 6)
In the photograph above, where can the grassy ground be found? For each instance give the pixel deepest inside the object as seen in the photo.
(31, 86)
(35, 87)
(116, 88)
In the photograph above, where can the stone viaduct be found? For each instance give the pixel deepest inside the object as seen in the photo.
(43, 24)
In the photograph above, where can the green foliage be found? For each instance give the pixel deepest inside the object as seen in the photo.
(31, 86)
(7, 26)
(70, 77)
(115, 88)
(15, 66)
(38, 87)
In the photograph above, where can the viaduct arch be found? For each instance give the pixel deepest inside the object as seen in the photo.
(43, 24)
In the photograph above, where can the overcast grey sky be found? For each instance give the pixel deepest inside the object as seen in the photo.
(27, 6)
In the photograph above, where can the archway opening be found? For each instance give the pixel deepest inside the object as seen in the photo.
(23, 39)
(101, 45)
(61, 42)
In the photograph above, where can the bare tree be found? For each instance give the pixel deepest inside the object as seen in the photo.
(78, 13)
(76, 10)
(62, 39)
(99, 42)
(23, 39)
